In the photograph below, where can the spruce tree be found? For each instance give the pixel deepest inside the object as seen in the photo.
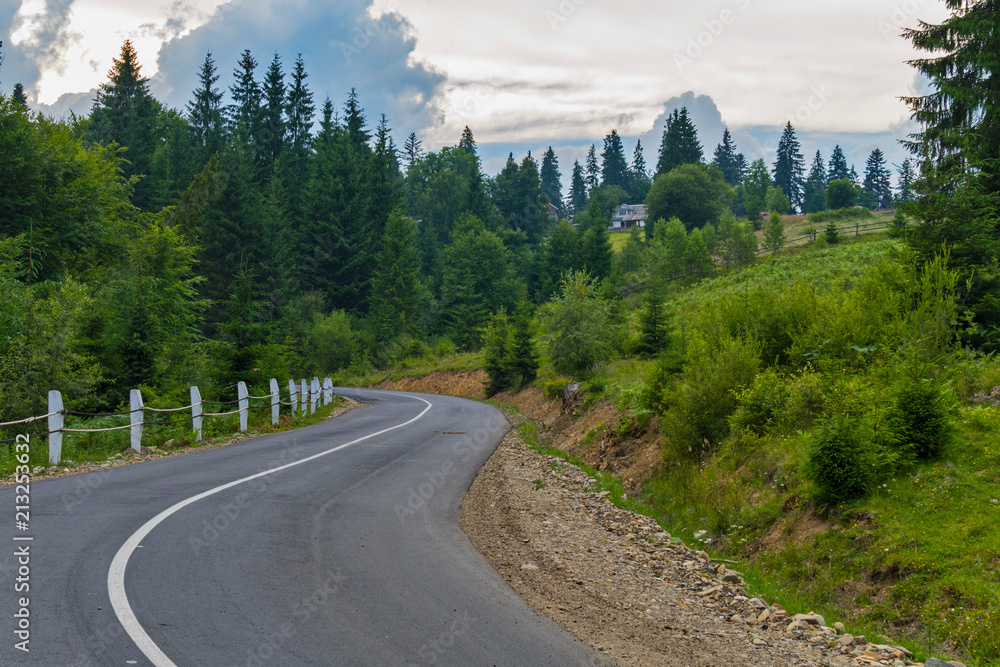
(551, 178)
(205, 113)
(614, 168)
(18, 96)
(593, 170)
(468, 142)
(244, 116)
(274, 123)
(524, 362)
(125, 112)
(789, 168)
(638, 176)
(412, 150)
(395, 294)
(577, 190)
(838, 169)
(354, 121)
(755, 187)
(679, 144)
(905, 179)
(300, 112)
(878, 180)
(498, 344)
(814, 194)
(726, 159)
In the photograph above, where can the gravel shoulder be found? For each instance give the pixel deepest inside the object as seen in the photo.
(618, 583)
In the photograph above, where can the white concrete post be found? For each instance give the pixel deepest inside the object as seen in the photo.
(275, 402)
(292, 398)
(327, 391)
(55, 427)
(305, 398)
(136, 419)
(243, 396)
(196, 411)
(314, 395)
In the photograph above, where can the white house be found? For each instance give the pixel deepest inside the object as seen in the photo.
(628, 215)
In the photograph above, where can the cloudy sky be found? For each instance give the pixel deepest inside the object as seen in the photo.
(523, 74)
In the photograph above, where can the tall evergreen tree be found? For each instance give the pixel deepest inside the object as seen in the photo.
(412, 150)
(551, 178)
(679, 144)
(755, 187)
(395, 293)
(727, 159)
(300, 111)
(789, 168)
(468, 142)
(125, 112)
(638, 177)
(18, 96)
(878, 180)
(577, 198)
(905, 179)
(354, 120)
(814, 194)
(838, 169)
(593, 170)
(244, 114)
(205, 113)
(274, 122)
(614, 168)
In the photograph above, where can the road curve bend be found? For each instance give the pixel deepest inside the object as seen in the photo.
(335, 544)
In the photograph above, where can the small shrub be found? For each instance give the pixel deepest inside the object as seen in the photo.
(836, 462)
(444, 347)
(554, 388)
(760, 404)
(919, 416)
(831, 234)
(805, 400)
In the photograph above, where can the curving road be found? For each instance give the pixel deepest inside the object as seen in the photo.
(348, 552)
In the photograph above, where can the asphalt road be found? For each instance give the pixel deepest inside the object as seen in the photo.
(348, 552)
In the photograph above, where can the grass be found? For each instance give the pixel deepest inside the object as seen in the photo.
(458, 362)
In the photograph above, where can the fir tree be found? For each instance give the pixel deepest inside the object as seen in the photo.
(679, 144)
(577, 190)
(205, 113)
(614, 168)
(354, 121)
(905, 179)
(468, 142)
(789, 168)
(274, 123)
(878, 180)
(300, 111)
(395, 293)
(498, 345)
(244, 114)
(593, 170)
(126, 113)
(18, 96)
(412, 150)
(551, 178)
(838, 169)
(523, 362)
(814, 195)
(727, 159)
(755, 187)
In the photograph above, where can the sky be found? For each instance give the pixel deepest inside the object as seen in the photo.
(522, 74)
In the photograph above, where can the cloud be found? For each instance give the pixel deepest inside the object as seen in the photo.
(342, 44)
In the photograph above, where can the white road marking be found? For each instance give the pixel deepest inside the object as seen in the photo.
(116, 574)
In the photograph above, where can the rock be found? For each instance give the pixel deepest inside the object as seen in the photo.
(838, 626)
(810, 618)
(934, 662)
(797, 627)
(170, 443)
(733, 578)
(737, 619)
(529, 567)
(37, 469)
(758, 603)
(844, 641)
(704, 556)
(569, 390)
(860, 640)
(603, 494)
(764, 615)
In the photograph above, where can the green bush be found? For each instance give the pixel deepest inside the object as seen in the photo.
(919, 416)
(851, 213)
(554, 388)
(760, 404)
(832, 235)
(836, 462)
